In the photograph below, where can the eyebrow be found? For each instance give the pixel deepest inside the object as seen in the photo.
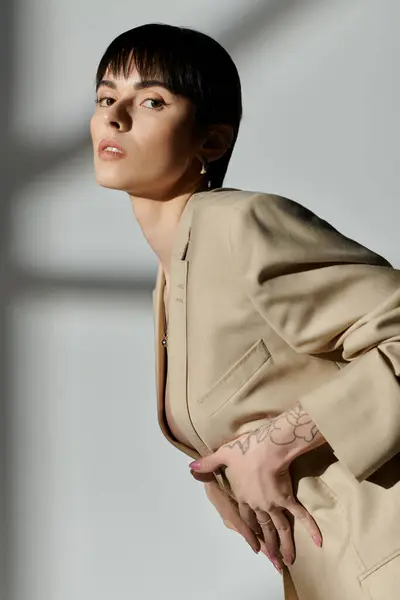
(140, 85)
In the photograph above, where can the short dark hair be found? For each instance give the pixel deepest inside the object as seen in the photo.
(190, 64)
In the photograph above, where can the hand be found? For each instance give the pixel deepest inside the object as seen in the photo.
(232, 519)
(229, 514)
(258, 465)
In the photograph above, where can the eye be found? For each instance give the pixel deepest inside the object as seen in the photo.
(103, 102)
(154, 103)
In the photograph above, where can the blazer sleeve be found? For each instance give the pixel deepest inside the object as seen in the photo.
(325, 294)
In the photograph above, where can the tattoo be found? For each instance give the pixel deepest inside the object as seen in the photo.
(301, 428)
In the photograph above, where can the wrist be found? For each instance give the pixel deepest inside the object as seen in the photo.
(294, 434)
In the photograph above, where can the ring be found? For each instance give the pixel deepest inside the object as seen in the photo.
(264, 522)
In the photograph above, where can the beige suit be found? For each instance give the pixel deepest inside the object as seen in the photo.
(270, 305)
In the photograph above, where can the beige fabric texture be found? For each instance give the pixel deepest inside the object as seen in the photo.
(270, 305)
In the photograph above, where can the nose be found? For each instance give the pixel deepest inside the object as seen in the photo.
(118, 117)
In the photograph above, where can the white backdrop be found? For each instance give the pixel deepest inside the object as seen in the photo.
(98, 504)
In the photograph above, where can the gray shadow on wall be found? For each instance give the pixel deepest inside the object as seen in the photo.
(267, 15)
(21, 165)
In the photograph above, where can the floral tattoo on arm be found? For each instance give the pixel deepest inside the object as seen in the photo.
(288, 428)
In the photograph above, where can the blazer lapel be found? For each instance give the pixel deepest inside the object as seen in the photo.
(160, 361)
(177, 374)
(177, 345)
(177, 340)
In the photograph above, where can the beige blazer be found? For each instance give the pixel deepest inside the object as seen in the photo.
(270, 305)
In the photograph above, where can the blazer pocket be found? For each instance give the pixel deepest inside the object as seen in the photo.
(235, 378)
(383, 581)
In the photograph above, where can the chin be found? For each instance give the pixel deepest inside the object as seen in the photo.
(110, 184)
(113, 181)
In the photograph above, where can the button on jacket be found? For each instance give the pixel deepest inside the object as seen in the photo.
(270, 305)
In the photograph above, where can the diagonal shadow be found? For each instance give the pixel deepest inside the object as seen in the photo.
(33, 163)
(266, 15)
(19, 166)
(235, 36)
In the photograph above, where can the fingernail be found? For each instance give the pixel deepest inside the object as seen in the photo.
(194, 465)
(278, 567)
(289, 561)
(317, 541)
(254, 548)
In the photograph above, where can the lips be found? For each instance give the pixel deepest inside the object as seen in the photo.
(111, 153)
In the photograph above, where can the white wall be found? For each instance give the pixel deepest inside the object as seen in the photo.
(100, 506)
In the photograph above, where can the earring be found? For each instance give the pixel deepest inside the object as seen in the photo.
(204, 168)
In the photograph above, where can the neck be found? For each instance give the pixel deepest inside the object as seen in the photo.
(158, 220)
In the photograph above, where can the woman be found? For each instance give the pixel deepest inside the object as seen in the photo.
(282, 335)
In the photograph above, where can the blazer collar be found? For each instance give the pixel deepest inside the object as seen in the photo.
(182, 235)
(181, 241)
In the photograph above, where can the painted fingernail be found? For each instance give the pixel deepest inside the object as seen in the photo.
(195, 464)
(278, 567)
(317, 541)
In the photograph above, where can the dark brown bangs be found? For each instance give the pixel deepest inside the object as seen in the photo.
(160, 56)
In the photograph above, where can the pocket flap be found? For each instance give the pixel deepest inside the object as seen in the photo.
(236, 377)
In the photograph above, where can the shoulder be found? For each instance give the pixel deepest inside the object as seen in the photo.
(262, 223)
(229, 198)
(241, 202)
(245, 208)
(228, 204)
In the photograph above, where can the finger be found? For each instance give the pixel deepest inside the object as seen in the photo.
(230, 525)
(278, 565)
(284, 530)
(271, 538)
(299, 512)
(229, 512)
(249, 516)
(207, 464)
(204, 477)
(264, 549)
(244, 530)
(289, 503)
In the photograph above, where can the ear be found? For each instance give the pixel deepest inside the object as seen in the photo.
(218, 140)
